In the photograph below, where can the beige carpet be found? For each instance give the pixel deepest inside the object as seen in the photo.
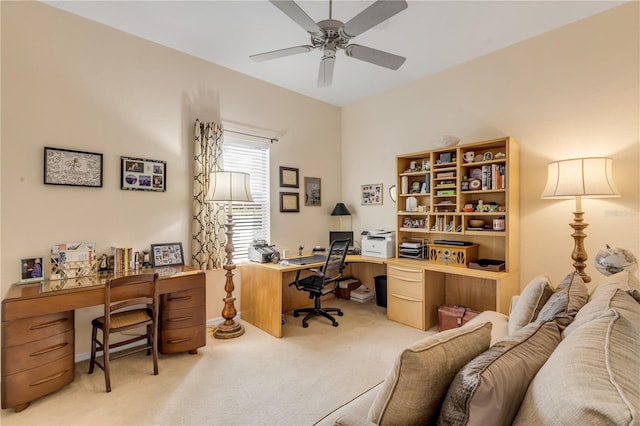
(255, 379)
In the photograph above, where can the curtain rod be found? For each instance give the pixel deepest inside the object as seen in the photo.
(272, 140)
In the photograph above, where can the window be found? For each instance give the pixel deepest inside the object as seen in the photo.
(251, 220)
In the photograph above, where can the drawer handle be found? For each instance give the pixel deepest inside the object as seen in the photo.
(411, 299)
(49, 324)
(179, 319)
(50, 378)
(172, 299)
(184, 339)
(49, 349)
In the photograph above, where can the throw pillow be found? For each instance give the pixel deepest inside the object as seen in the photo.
(566, 301)
(591, 378)
(611, 297)
(623, 280)
(489, 389)
(414, 388)
(530, 302)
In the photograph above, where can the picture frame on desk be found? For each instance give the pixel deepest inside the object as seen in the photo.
(141, 174)
(31, 270)
(167, 254)
(73, 168)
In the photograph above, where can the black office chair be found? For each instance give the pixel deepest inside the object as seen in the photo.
(129, 302)
(322, 282)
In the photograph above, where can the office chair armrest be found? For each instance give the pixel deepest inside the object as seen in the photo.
(316, 271)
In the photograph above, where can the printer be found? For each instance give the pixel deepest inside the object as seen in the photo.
(260, 251)
(379, 244)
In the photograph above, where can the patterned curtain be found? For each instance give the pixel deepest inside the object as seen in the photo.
(207, 225)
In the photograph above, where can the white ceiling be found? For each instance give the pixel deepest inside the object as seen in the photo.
(432, 35)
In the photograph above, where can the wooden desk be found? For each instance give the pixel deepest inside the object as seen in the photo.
(38, 336)
(266, 295)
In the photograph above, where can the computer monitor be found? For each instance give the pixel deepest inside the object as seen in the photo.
(341, 235)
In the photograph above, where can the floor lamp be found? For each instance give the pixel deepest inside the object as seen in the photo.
(340, 210)
(229, 187)
(580, 177)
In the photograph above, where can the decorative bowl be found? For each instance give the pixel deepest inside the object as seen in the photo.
(476, 223)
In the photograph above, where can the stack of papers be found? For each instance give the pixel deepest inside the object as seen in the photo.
(361, 294)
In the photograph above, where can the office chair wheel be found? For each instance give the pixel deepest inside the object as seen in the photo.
(335, 323)
(296, 314)
(305, 325)
(340, 313)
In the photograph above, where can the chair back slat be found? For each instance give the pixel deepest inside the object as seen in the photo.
(131, 291)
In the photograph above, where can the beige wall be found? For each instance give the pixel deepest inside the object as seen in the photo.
(572, 92)
(71, 83)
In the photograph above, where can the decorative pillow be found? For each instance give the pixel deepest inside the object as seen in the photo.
(414, 388)
(499, 324)
(591, 378)
(489, 389)
(623, 280)
(530, 302)
(611, 297)
(569, 297)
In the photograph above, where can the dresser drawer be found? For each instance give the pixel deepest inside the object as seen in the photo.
(34, 354)
(182, 318)
(182, 339)
(31, 329)
(36, 382)
(406, 311)
(183, 299)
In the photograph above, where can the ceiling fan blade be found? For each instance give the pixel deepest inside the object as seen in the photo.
(378, 12)
(295, 12)
(325, 75)
(281, 53)
(374, 56)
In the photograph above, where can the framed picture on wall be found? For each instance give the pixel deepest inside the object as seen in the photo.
(372, 194)
(75, 168)
(143, 175)
(289, 177)
(289, 202)
(312, 194)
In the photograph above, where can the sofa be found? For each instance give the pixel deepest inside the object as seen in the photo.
(565, 354)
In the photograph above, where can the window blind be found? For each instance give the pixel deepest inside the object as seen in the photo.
(251, 220)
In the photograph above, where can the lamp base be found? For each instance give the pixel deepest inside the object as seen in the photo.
(229, 331)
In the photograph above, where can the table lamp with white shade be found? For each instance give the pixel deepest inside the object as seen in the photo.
(229, 187)
(580, 177)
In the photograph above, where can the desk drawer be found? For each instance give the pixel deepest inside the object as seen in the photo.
(36, 382)
(182, 318)
(182, 339)
(34, 354)
(406, 311)
(406, 274)
(26, 330)
(183, 299)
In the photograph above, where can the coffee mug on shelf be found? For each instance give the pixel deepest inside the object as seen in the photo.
(469, 156)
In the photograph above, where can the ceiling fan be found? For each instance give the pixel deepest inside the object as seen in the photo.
(330, 35)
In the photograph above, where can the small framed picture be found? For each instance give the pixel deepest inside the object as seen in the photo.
(167, 254)
(289, 202)
(289, 177)
(143, 175)
(31, 269)
(312, 195)
(75, 168)
(372, 194)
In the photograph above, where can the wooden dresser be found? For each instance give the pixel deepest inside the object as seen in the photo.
(38, 345)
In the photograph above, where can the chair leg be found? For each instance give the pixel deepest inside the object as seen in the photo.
(92, 362)
(153, 336)
(105, 361)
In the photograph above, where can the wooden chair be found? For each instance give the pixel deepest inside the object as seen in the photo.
(129, 302)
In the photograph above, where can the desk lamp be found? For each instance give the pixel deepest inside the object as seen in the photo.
(580, 177)
(340, 210)
(229, 187)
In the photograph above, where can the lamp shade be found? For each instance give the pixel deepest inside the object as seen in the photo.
(586, 177)
(228, 186)
(340, 210)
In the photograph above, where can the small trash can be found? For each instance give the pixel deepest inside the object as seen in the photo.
(381, 290)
